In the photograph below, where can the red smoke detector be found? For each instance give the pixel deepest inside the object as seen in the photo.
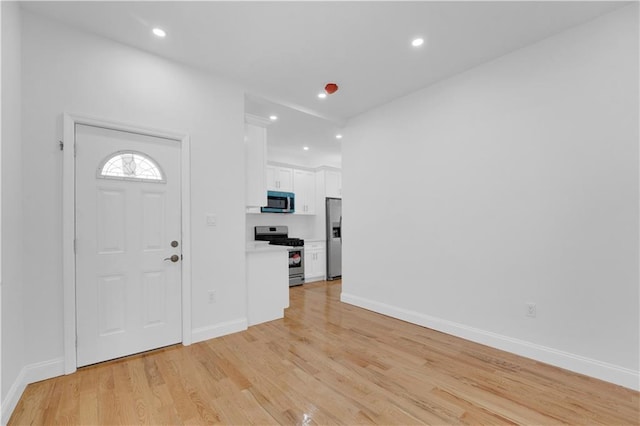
(331, 88)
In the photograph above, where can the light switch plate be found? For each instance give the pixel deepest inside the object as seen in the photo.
(211, 220)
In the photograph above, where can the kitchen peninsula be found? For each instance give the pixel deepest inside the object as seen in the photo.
(267, 282)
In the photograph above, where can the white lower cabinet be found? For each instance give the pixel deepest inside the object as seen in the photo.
(315, 261)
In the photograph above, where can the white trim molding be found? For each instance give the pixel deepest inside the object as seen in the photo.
(256, 120)
(217, 330)
(29, 374)
(576, 363)
(14, 393)
(68, 225)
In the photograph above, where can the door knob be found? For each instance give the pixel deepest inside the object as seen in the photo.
(173, 258)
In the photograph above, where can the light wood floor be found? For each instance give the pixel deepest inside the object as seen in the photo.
(327, 363)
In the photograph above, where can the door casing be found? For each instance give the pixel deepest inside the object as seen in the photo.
(68, 225)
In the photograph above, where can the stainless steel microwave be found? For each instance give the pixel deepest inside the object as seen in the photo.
(279, 202)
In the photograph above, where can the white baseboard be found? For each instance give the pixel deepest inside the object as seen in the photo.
(29, 374)
(590, 367)
(45, 370)
(218, 330)
(13, 396)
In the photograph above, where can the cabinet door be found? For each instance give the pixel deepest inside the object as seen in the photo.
(304, 186)
(272, 179)
(285, 179)
(309, 263)
(321, 263)
(279, 179)
(333, 184)
(315, 262)
(311, 266)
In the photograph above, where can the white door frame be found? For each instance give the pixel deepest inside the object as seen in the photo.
(69, 224)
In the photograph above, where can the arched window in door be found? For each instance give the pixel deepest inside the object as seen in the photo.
(131, 165)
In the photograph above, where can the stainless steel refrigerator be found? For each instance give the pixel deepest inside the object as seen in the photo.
(334, 238)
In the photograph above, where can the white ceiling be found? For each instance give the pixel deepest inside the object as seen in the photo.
(285, 52)
(293, 130)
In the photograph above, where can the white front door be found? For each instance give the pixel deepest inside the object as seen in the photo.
(128, 227)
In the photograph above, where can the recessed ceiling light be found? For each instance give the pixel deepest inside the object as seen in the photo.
(273, 117)
(322, 95)
(306, 148)
(159, 32)
(417, 42)
(338, 136)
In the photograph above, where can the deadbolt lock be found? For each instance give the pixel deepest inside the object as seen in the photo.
(174, 243)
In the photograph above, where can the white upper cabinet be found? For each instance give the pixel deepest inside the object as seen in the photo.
(304, 186)
(333, 184)
(279, 179)
(255, 142)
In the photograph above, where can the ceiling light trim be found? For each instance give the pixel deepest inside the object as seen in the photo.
(159, 32)
(417, 42)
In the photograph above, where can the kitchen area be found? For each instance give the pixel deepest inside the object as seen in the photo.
(293, 204)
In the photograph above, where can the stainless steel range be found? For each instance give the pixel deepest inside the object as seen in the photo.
(279, 235)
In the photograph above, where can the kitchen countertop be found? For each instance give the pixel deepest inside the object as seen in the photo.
(263, 246)
(315, 240)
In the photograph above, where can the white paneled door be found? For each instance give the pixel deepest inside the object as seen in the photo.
(128, 243)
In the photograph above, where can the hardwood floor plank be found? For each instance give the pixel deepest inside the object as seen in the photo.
(88, 397)
(326, 363)
(187, 412)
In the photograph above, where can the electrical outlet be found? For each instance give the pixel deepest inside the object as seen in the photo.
(531, 309)
(212, 296)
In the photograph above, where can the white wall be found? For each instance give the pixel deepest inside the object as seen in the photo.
(65, 70)
(513, 182)
(12, 281)
(300, 226)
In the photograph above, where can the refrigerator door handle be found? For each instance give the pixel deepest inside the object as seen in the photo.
(340, 229)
